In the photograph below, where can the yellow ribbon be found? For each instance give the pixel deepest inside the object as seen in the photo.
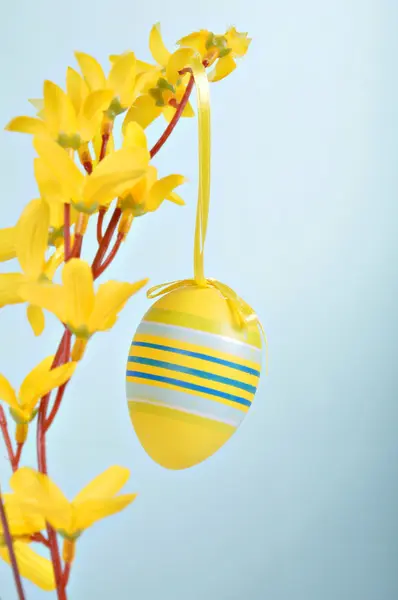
(242, 312)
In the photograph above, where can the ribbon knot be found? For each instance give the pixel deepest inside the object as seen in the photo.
(243, 313)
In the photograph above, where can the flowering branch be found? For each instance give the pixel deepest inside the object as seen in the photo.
(221, 48)
(100, 222)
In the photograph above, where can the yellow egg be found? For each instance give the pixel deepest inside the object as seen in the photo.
(192, 373)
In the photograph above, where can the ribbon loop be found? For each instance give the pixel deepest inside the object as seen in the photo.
(243, 313)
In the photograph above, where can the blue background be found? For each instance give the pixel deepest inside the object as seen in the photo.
(302, 503)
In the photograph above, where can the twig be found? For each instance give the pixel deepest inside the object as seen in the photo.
(6, 436)
(39, 538)
(61, 389)
(111, 255)
(100, 222)
(11, 551)
(105, 140)
(18, 455)
(66, 574)
(42, 465)
(106, 240)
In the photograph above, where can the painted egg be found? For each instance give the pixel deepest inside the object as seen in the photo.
(192, 373)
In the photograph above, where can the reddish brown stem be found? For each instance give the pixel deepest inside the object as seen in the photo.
(56, 561)
(111, 255)
(66, 575)
(67, 231)
(105, 140)
(100, 222)
(106, 240)
(39, 538)
(11, 551)
(61, 389)
(6, 436)
(55, 408)
(88, 166)
(77, 246)
(169, 129)
(18, 455)
(42, 464)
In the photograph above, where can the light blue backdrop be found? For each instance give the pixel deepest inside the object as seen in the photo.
(302, 503)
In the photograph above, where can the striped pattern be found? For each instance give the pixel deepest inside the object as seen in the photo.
(188, 389)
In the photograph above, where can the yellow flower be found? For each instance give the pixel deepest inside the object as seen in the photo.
(221, 48)
(76, 303)
(31, 565)
(123, 84)
(23, 523)
(41, 380)
(162, 95)
(30, 239)
(96, 501)
(63, 180)
(70, 119)
(148, 194)
(51, 191)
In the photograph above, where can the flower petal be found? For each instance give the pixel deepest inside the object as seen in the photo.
(92, 71)
(20, 518)
(115, 174)
(10, 292)
(76, 88)
(41, 495)
(46, 295)
(7, 393)
(27, 125)
(79, 292)
(157, 47)
(105, 485)
(32, 566)
(42, 379)
(59, 113)
(121, 78)
(134, 136)
(238, 42)
(49, 187)
(92, 113)
(161, 189)
(32, 237)
(188, 111)
(61, 165)
(175, 198)
(38, 103)
(90, 511)
(7, 243)
(36, 319)
(110, 299)
(196, 40)
(96, 102)
(144, 111)
(178, 60)
(224, 67)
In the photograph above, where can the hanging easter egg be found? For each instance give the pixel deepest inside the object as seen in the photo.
(192, 373)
